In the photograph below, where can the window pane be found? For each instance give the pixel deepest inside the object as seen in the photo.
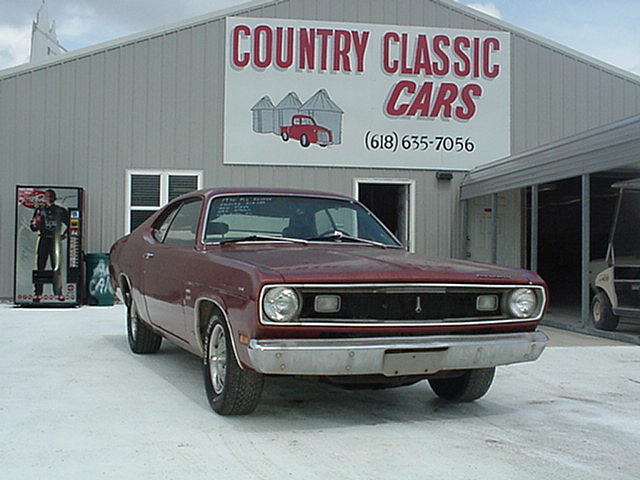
(145, 190)
(139, 216)
(181, 184)
(183, 228)
(161, 230)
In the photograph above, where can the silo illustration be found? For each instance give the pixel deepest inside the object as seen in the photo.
(286, 109)
(325, 112)
(264, 116)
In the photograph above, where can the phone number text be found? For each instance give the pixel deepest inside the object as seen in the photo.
(392, 142)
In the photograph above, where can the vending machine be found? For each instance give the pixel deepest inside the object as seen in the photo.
(48, 246)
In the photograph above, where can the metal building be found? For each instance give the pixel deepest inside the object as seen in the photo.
(138, 120)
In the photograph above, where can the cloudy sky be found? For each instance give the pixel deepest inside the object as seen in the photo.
(608, 30)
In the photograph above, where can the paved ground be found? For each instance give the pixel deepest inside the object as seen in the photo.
(75, 404)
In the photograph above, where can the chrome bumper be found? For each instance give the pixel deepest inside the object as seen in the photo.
(393, 356)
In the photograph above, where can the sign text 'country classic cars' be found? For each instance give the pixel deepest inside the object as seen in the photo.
(392, 96)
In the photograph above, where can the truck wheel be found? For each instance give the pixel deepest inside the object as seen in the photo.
(285, 136)
(602, 313)
(141, 338)
(230, 389)
(468, 387)
(304, 140)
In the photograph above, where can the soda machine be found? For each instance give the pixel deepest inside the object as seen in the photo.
(48, 246)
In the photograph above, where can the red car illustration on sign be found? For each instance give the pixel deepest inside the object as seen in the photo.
(305, 129)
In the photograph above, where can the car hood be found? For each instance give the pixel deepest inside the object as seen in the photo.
(358, 263)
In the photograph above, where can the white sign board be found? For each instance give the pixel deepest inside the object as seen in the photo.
(355, 95)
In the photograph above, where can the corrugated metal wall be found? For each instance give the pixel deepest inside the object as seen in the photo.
(158, 103)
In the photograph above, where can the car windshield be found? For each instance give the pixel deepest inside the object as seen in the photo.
(263, 217)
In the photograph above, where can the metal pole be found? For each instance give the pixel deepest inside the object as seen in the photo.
(464, 245)
(494, 237)
(534, 228)
(586, 228)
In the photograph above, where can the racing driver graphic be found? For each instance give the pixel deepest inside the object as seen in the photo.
(51, 221)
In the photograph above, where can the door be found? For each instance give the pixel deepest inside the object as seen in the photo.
(167, 267)
(391, 203)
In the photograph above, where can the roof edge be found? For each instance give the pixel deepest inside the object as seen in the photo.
(558, 143)
(543, 41)
(251, 5)
(138, 37)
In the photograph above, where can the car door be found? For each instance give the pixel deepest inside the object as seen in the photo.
(166, 267)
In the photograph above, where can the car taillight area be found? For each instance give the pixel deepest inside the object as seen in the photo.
(400, 305)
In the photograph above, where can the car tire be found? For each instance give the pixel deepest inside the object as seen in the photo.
(468, 387)
(285, 136)
(304, 140)
(602, 313)
(230, 389)
(141, 338)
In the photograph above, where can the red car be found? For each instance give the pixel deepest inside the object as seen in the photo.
(305, 129)
(283, 282)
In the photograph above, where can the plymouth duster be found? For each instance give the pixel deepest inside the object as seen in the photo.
(262, 282)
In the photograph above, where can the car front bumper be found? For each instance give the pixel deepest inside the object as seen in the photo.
(393, 356)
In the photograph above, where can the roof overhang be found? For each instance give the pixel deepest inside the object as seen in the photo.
(607, 147)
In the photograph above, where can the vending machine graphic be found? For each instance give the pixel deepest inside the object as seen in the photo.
(48, 246)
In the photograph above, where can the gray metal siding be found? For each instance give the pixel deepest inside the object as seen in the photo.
(157, 102)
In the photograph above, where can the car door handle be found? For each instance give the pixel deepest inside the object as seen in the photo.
(148, 255)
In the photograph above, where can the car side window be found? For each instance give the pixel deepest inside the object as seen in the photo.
(160, 231)
(182, 230)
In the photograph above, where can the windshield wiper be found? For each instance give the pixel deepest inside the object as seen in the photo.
(263, 238)
(339, 236)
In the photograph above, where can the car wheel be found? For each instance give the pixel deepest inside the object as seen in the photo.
(285, 136)
(141, 338)
(230, 389)
(602, 313)
(304, 140)
(468, 387)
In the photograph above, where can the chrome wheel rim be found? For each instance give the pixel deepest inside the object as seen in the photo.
(217, 358)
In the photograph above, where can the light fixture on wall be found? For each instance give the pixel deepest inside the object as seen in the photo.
(444, 176)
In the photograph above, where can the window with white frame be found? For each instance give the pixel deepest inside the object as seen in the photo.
(148, 190)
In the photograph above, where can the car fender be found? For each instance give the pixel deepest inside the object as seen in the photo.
(604, 282)
(219, 303)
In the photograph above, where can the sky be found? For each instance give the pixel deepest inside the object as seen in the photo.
(607, 30)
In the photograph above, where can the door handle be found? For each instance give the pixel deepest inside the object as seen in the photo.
(148, 255)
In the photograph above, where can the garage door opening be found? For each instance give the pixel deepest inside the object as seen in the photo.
(391, 202)
(559, 238)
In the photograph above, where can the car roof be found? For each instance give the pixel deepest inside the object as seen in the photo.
(214, 192)
(633, 184)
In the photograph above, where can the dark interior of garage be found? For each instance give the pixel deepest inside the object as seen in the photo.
(559, 227)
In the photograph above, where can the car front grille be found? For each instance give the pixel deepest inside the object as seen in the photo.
(380, 307)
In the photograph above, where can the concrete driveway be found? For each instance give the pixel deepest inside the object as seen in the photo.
(75, 404)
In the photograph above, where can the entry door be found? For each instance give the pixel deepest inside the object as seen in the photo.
(168, 269)
(391, 203)
(480, 241)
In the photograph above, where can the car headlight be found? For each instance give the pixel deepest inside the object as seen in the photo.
(522, 303)
(281, 304)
